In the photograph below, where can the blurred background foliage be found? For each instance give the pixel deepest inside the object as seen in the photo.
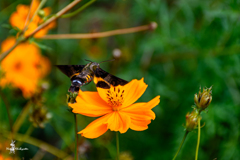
(196, 44)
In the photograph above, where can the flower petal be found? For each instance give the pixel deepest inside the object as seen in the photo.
(139, 125)
(118, 122)
(96, 128)
(103, 93)
(133, 91)
(141, 115)
(8, 43)
(142, 111)
(90, 104)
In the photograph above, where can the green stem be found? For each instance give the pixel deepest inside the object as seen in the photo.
(78, 10)
(198, 142)
(76, 141)
(185, 135)
(117, 145)
(7, 108)
(43, 145)
(21, 117)
(27, 134)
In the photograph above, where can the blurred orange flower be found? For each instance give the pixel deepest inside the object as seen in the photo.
(116, 107)
(5, 158)
(19, 17)
(4, 153)
(23, 67)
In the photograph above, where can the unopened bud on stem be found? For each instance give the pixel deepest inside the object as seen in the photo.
(192, 120)
(41, 13)
(203, 99)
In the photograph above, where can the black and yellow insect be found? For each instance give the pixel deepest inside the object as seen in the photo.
(84, 74)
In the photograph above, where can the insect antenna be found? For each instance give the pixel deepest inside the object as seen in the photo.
(87, 60)
(108, 60)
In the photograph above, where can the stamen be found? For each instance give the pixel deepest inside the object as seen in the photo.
(114, 99)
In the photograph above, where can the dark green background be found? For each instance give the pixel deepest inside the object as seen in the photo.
(196, 44)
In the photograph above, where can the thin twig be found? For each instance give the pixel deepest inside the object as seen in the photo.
(4, 54)
(36, 12)
(150, 26)
(53, 18)
(21, 39)
(29, 12)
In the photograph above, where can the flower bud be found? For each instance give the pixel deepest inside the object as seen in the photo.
(71, 98)
(125, 156)
(41, 13)
(191, 120)
(203, 99)
(39, 117)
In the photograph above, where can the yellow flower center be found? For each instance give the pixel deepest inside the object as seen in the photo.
(115, 97)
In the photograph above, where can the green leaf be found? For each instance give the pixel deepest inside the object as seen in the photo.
(42, 46)
(8, 26)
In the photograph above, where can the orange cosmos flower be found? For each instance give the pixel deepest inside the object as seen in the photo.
(19, 17)
(116, 107)
(24, 67)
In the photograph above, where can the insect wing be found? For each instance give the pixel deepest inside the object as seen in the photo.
(104, 79)
(70, 70)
